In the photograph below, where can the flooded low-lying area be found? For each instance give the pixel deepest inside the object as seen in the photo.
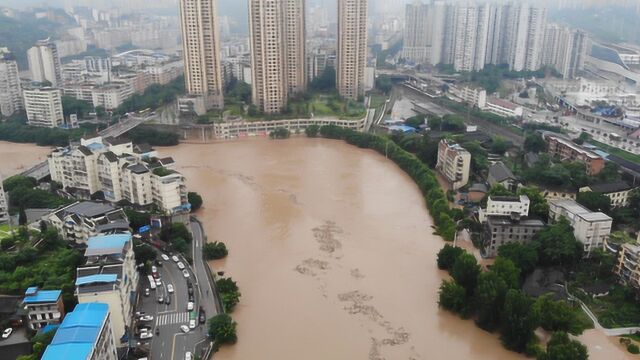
(16, 158)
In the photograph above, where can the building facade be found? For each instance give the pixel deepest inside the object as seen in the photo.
(454, 163)
(201, 51)
(628, 266)
(81, 220)
(567, 150)
(590, 228)
(44, 107)
(44, 307)
(86, 333)
(565, 50)
(352, 48)
(4, 207)
(505, 206)
(10, 87)
(44, 63)
(109, 276)
(618, 192)
(416, 42)
(277, 52)
(504, 229)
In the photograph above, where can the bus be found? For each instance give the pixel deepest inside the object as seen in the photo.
(152, 282)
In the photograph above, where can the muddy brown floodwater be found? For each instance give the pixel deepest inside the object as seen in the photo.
(333, 250)
(15, 158)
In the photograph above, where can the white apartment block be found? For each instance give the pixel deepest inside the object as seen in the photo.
(44, 63)
(10, 87)
(201, 51)
(352, 48)
(454, 163)
(4, 207)
(503, 107)
(471, 25)
(109, 276)
(504, 206)
(525, 33)
(565, 50)
(113, 167)
(277, 52)
(590, 228)
(473, 96)
(44, 107)
(416, 33)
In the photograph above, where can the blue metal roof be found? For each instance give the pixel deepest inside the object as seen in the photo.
(78, 333)
(99, 278)
(403, 128)
(31, 290)
(41, 296)
(108, 241)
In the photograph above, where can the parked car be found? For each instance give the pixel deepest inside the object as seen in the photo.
(154, 269)
(184, 328)
(160, 299)
(158, 282)
(146, 335)
(164, 257)
(185, 273)
(202, 318)
(168, 300)
(158, 262)
(170, 288)
(140, 313)
(191, 297)
(146, 318)
(190, 290)
(7, 332)
(180, 265)
(190, 306)
(175, 258)
(146, 292)
(188, 356)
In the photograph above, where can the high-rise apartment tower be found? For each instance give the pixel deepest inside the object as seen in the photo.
(352, 47)
(44, 63)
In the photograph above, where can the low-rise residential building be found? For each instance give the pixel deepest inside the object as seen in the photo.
(474, 96)
(504, 229)
(109, 276)
(454, 163)
(567, 150)
(590, 228)
(505, 206)
(618, 192)
(120, 172)
(43, 107)
(503, 108)
(43, 307)
(628, 266)
(499, 173)
(86, 333)
(4, 207)
(81, 220)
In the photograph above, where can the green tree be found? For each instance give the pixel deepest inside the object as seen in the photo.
(71, 105)
(415, 121)
(16, 181)
(195, 200)
(384, 84)
(447, 256)
(557, 316)
(143, 253)
(594, 201)
(175, 230)
(538, 206)
(452, 297)
(312, 131)
(215, 250)
(22, 217)
(465, 272)
(280, 133)
(222, 329)
(326, 82)
(229, 293)
(518, 320)
(137, 219)
(499, 145)
(524, 256)
(560, 347)
(634, 201)
(507, 271)
(489, 299)
(179, 244)
(556, 245)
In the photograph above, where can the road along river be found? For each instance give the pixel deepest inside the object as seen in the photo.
(333, 250)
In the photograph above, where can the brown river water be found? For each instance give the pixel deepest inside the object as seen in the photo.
(15, 158)
(333, 250)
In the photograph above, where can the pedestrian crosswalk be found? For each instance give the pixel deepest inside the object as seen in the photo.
(173, 318)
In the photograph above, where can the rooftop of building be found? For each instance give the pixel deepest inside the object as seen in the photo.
(138, 168)
(611, 187)
(508, 220)
(34, 295)
(78, 333)
(500, 172)
(86, 209)
(96, 279)
(573, 146)
(107, 244)
(573, 207)
(521, 198)
(502, 103)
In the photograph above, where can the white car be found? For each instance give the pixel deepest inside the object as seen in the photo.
(185, 273)
(146, 318)
(158, 282)
(192, 324)
(140, 313)
(7, 332)
(146, 335)
(184, 328)
(180, 265)
(170, 288)
(164, 257)
(188, 356)
(175, 258)
(154, 269)
(190, 306)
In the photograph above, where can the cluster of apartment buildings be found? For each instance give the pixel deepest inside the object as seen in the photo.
(472, 35)
(477, 97)
(119, 171)
(278, 56)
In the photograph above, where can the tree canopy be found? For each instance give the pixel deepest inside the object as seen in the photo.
(556, 245)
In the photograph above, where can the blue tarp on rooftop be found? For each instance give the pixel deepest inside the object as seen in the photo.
(100, 278)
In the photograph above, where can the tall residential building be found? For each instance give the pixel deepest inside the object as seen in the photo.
(85, 333)
(471, 24)
(565, 50)
(109, 276)
(10, 88)
(352, 48)
(44, 107)
(454, 163)
(525, 34)
(44, 63)
(277, 52)
(201, 51)
(416, 33)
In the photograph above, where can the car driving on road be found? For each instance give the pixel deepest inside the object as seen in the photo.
(164, 257)
(180, 265)
(146, 318)
(146, 335)
(189, 306)
(6, 333)
(185, 273)
(170, 288)
(184, 328)
(175, 258)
